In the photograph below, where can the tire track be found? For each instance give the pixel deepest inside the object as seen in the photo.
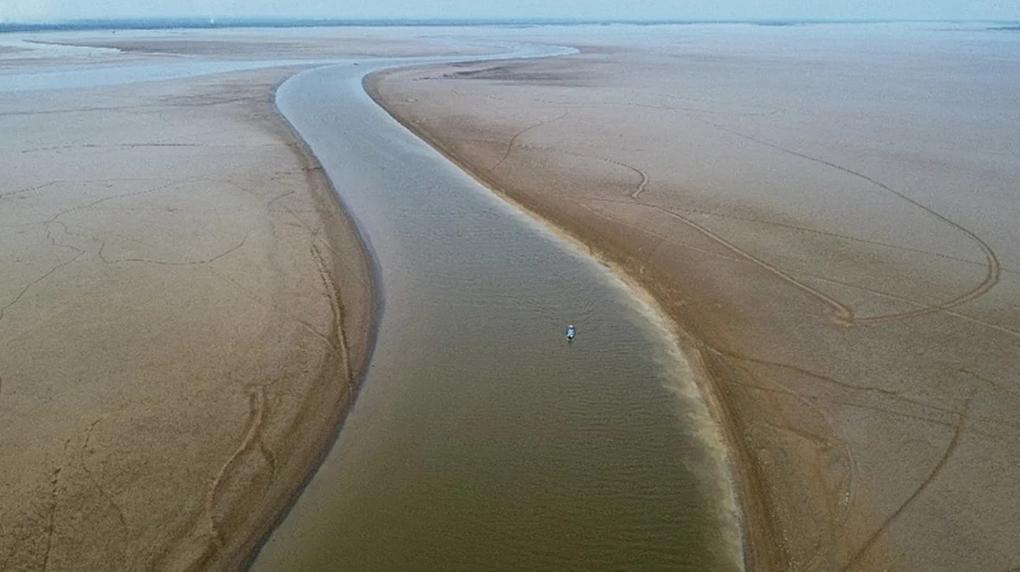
(823, 443)
(993, 266)
(27, 287)
(513, 140)
(641, 186)
(943, 461)
(275, 308)
(831, 234)
(844, 314)
(209, 260)
(934, 308)
(52, 509)
(92, 478)
(339, 335)
(252, 437)
(874, 390)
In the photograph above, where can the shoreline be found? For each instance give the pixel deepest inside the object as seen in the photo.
(839, 275)
(240, 300)
(755, 536)
(328, 203)
(258, 539)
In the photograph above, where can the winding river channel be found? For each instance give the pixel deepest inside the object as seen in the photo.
(481, 439)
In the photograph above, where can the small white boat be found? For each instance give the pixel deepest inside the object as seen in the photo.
(571, 332)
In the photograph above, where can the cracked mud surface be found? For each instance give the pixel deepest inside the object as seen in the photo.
(183, 312)
(838, 238)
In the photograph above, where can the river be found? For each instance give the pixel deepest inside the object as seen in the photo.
(481, 439)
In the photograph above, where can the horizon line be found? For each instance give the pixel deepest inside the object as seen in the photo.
(140, 23)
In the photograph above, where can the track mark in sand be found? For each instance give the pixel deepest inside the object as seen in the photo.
(53, 219)
(336, 308)
(933, 308)
(82, 182)
(659, 107)
(51, 518)
(28, 189)
(111, 146)
(836, 235)
(97, 202)
(779, 390)
(643, 176)
(817, 440)
(513, 140)
(993, 270)
(10, 553)
(942, 462)
(274, 308)
(642, 185)
(662, 239)
(995, 384)
(848, 490)
(843, 312)
(209, 260)
(828, 442)
(252, 437)
(27, 287)
(92, 478)
(312, 231)
(885, 393)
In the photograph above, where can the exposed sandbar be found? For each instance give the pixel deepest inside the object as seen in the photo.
(838, 238)
(184, 312)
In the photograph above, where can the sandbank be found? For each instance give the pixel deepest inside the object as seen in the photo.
(845, 271)
(184, 313)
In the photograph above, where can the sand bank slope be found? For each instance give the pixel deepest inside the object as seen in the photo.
(849, 273)
(183, 312)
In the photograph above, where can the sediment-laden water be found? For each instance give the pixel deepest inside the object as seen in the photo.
(481, 439)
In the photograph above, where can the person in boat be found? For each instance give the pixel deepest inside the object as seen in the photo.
(571, 332)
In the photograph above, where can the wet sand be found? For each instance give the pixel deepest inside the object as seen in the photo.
(184, 313)
(829, 212)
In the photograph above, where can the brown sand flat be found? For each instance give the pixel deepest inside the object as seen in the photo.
(831, 215)
(184, 310)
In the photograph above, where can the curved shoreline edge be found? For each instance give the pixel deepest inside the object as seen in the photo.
(759, 544)
(754, 537)
(254, 541)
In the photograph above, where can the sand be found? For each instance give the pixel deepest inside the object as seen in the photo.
(185, 310)
(184, 313)
(830, 214)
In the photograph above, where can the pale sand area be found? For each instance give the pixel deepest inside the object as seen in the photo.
(184, 311)
(831, 214)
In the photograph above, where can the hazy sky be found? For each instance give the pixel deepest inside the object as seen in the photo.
(22, 10)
